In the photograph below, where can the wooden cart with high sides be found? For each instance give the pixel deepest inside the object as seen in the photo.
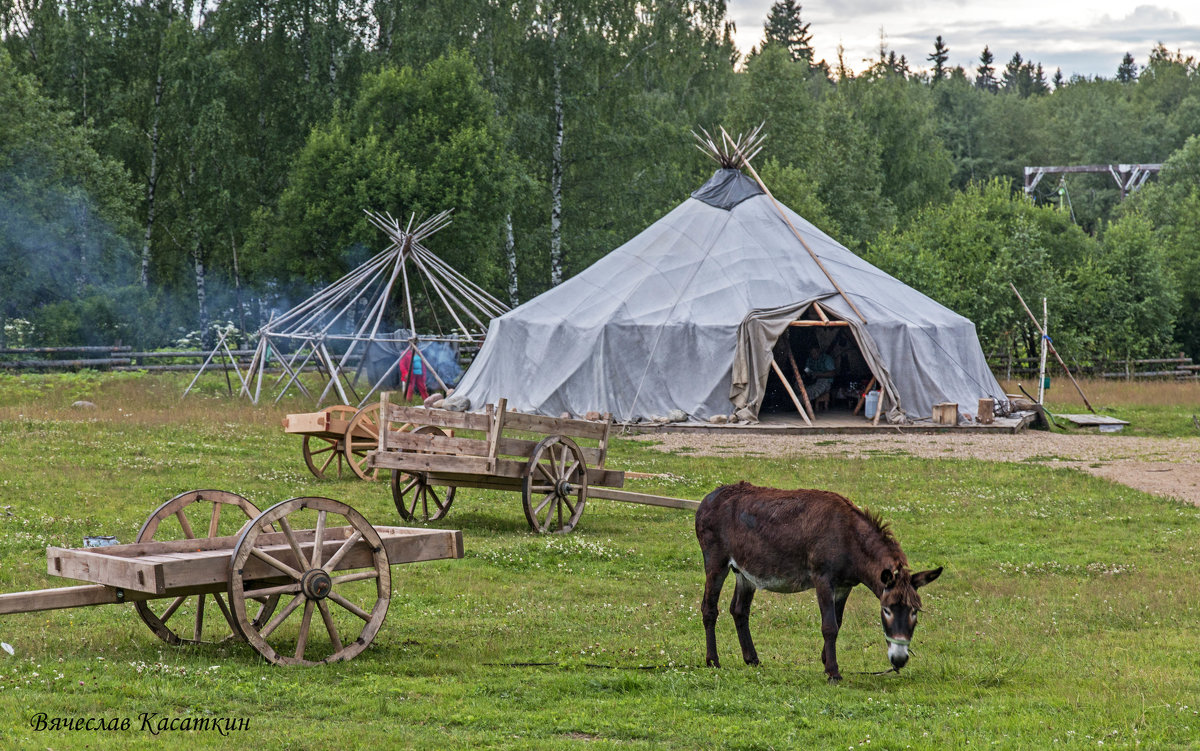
(338, 434)
(554, 474)
(305, 582)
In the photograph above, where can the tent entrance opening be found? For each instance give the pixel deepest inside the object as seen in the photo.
(823, 366)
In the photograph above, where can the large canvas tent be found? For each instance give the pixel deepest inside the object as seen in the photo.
(685, 315)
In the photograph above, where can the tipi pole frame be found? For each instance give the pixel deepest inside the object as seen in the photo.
(250, 371)
(426, 364)
(478, 296)
(438, 288)
(795, 232)
(379, 382)
(202, 368)
(295, 374)
(334, 371)
(233, 361)
(462, 297)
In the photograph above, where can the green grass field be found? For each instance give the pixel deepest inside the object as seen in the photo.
(1066, 618)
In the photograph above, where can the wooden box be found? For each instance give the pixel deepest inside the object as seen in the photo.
(945, 413)
(306, 422)
(987, 411)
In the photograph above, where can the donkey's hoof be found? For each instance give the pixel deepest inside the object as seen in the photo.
(752, 660)
(713, 663)
(835, 680)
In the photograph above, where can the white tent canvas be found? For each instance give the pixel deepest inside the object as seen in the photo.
(685, 314)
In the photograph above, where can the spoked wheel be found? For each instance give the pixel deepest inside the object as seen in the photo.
(415, 498)
(362, 436)
(331, 562)
(320, 453)
(555, 485)
(196, 514)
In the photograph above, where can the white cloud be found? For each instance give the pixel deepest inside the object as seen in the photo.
(1088, 37)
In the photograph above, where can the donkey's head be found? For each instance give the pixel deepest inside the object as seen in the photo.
(899, 604)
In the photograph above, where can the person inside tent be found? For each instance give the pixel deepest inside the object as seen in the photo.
(412, 372)
(820, 367)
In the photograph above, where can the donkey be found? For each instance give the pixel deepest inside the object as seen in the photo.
(793, 540)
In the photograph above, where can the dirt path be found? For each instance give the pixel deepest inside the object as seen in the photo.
(1163, 466)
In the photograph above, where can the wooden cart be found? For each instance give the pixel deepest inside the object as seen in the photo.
(554, 474)
(341, 434)
(251, 584)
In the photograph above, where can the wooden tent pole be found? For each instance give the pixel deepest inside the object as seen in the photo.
(795, 232)
(799, 378)
(788, 386)
(426, 364)
(464, 297)
(1050, 346)
(438, 289)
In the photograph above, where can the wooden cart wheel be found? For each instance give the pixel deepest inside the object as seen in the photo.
(197, 513)
(554, 489)
(362, 435)
(337, 567)
(413, 494)
(320, 451)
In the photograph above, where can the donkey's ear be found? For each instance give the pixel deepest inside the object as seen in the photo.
(921, 578)
(887, 578)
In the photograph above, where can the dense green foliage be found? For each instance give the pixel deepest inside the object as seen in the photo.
(196, 160)
(1066, 614)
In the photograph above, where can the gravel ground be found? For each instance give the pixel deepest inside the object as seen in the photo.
(1164, 466)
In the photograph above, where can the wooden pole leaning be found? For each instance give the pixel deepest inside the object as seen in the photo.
(1050, 346)
(800, 382)
(767, 191)
(788, 386)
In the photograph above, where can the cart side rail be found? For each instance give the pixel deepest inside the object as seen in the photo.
(497, 424)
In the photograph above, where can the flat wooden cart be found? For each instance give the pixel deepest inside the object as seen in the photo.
(554, 474)
(266, 581)
(339, 435)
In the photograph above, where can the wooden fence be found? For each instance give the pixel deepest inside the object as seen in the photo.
(1180, 368)
(105, 358)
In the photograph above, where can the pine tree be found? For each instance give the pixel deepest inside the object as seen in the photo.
(1127, 70)
(1040, 86)
(1058, 79)
(1010, 80)
(784, 27)
(941, 53)
(985, 77)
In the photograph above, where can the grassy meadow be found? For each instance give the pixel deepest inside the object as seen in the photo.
(1066, 617)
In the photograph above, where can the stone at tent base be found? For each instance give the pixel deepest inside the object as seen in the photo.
(437, 405)
(83, 405)
(659, 420)
(677, 415)
(456, 403)
(718, 419)
(434, 397)
(565, 415)
(593, 415)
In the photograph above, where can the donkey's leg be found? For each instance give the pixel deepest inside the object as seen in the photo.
(739, 608)
(829, 628)
(716, 568)
(839, 603)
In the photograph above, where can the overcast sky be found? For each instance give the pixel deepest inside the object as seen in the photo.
(1088, 37)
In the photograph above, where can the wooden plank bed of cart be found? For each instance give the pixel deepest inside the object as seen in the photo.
(299, 596)
(554, 474)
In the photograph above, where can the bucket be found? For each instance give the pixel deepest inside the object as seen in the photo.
(871, 404)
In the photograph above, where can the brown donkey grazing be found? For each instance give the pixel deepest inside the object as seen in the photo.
(793, 540)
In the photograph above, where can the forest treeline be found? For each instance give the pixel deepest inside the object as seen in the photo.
(171, 163)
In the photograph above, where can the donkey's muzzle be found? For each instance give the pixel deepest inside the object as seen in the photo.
(897, 651)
